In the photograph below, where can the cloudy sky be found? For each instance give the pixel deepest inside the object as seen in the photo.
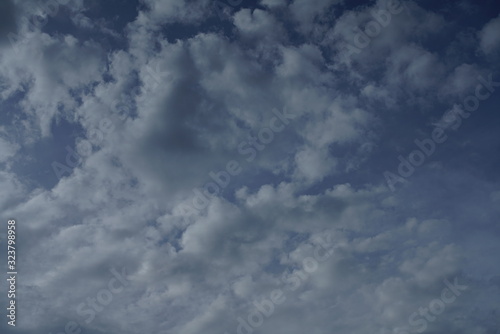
(251, 166)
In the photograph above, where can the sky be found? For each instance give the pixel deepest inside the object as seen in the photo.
(250, 166)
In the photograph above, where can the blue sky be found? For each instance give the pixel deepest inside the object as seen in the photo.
(265, 166)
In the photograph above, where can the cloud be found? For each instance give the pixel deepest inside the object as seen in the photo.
(489, 39)
(149, 112)
(56, 69)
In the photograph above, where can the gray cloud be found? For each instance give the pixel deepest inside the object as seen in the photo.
(159, 114)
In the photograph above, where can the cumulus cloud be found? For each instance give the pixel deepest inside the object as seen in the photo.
(205, 173)
(489, 39)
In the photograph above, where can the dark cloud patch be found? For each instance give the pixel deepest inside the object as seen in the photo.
(313, 133)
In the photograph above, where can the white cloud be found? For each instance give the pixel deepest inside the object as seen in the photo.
(188, 103)
(489, 37)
